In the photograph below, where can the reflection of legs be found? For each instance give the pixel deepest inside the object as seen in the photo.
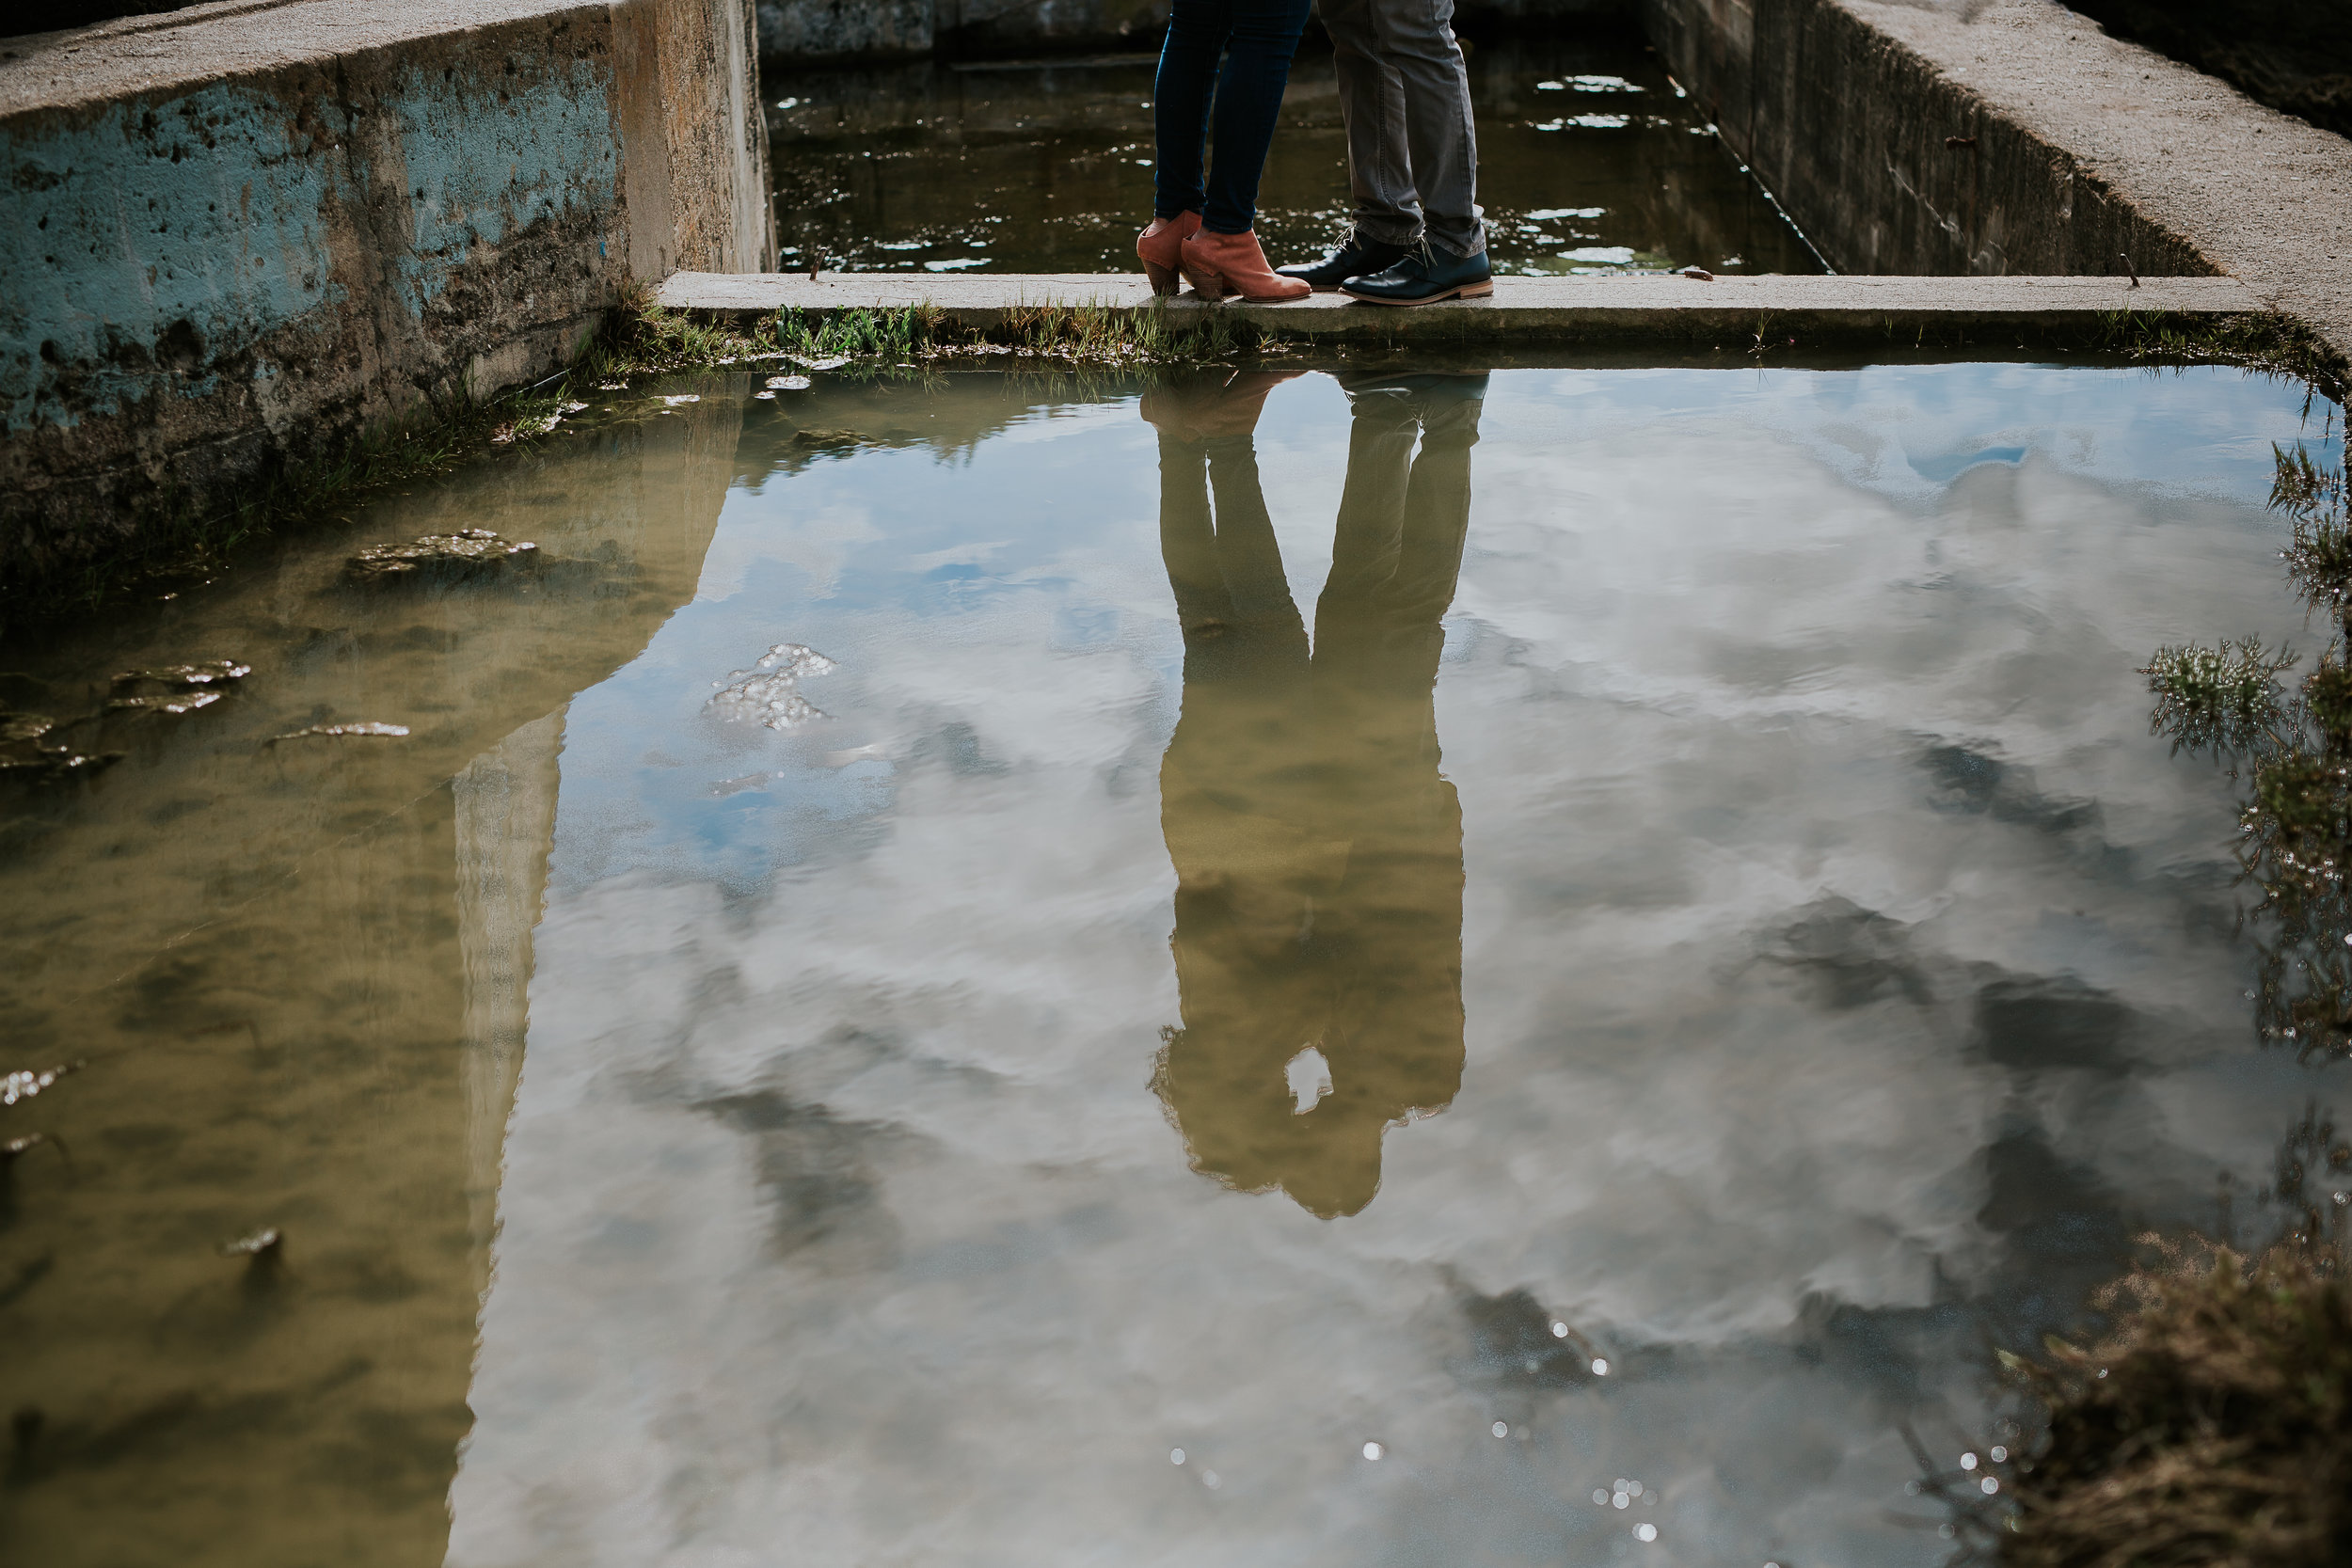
(1402, 518)
(1437, 513)
(1247, 556)
(1372, 508)
(1242, 836)
(1187, 537)
(1392, 931)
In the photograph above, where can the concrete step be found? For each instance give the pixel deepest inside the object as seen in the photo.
(1618, 309)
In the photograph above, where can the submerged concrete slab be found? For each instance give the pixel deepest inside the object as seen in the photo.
(233, 234)
(2013, 136)
(1672, 308)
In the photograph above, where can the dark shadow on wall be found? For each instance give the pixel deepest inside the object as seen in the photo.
(2295, 56)
(58, 15)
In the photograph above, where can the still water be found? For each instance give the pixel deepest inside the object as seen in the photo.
(1329, 968)
(1589, 161)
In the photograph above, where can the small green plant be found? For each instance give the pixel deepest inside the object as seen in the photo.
(2225, 700)
(2265, 339)
(2294, 830)
(1073, 336)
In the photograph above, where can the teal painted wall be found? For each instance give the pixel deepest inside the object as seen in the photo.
(146, 243)
(488, 157)
(151, 244)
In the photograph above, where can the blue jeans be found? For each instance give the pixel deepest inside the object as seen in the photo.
(1257, 39)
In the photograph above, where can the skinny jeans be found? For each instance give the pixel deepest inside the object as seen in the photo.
(1194, 104)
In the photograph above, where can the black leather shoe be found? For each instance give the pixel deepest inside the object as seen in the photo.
(1358, 258)
(1424, 277)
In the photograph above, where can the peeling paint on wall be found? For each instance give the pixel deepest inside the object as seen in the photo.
(492, 151)
(232, 262)
(144, 249)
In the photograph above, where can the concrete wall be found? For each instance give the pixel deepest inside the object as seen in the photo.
(1853, 130)
(807, 31)
(233, 234)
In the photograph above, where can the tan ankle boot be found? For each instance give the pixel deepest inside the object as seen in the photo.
(1219, 264)
(1159, 245)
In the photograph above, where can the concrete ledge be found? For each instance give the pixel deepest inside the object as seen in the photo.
(233, 235)
(2013, 136)
(1529, 309)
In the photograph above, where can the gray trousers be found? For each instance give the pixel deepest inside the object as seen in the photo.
(1412, 158)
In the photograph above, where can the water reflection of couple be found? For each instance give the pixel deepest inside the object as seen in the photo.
(1318, 852)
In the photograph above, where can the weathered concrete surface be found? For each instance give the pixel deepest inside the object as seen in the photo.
(2013, 136)
(233, 234)
(324, 925)
(802, 31)
(1732, 310)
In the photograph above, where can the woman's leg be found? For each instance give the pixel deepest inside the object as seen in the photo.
(1179, 102)
(1265, 36)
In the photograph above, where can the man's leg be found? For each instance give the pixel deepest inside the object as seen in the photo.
(1371, 108)
(1415, 39)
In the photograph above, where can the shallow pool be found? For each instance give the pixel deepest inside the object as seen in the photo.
(1590, 160)
(1395, 964)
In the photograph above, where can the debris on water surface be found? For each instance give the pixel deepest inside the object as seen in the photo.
(788, 384)
(467, 550)
(683, 397)
(367, 727)
(768, 692)
(824, 362)
(261, 1244)
(16, 727)
(28, 748)
(832, 440)
(175, 688)
(183, 702)
(215, 671)
(24, 1085)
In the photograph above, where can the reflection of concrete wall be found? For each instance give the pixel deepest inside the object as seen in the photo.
(297, 972)
(505, 811)
(226, 238)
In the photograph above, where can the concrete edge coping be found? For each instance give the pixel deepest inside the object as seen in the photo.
(50, 73)
(1519, 307)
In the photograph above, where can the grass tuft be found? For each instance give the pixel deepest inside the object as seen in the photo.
(2264, 339)
(2222, 699)
(2212, 1426)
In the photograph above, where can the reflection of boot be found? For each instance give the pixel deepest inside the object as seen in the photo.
(1160, 249)
(1220, 265)
(1193, 408)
